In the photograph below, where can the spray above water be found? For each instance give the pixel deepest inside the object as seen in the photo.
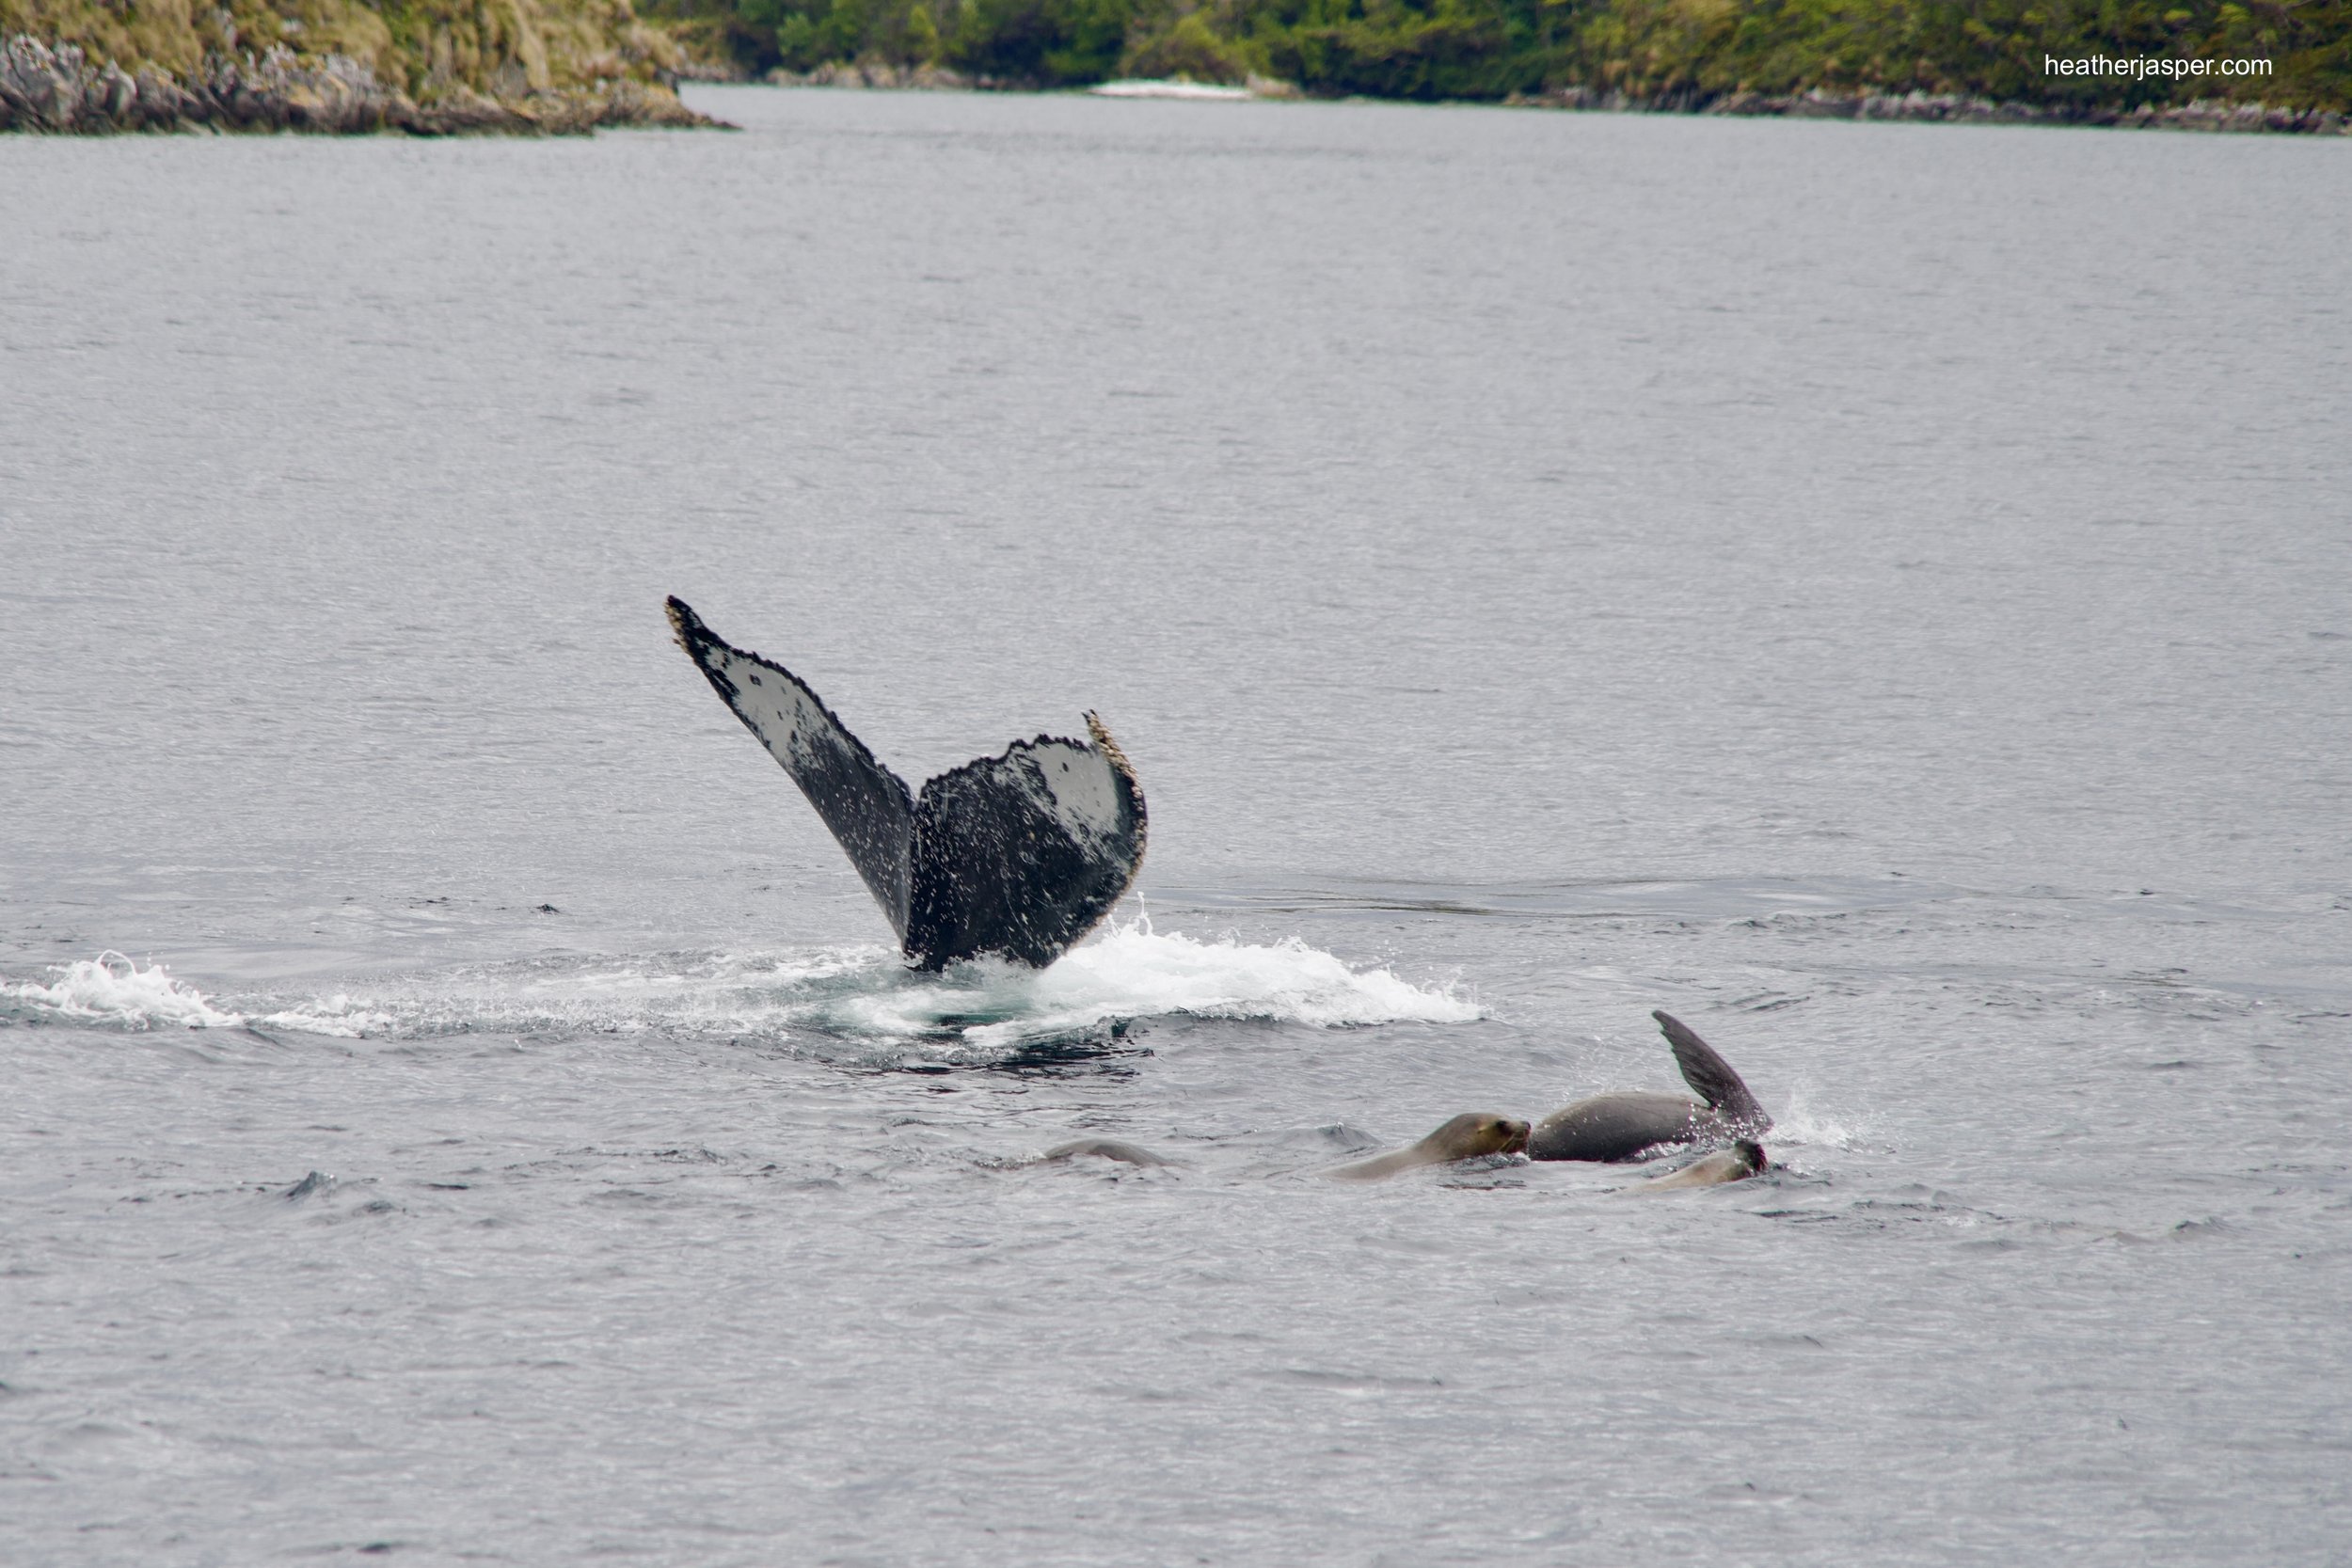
(859, 1003)
(113, 989)
(1136, 973)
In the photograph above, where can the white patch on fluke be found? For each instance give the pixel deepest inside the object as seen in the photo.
(1080, 790)
(784, 715)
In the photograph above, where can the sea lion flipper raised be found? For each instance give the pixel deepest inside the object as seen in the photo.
(866, 805)
(1712, 1078)
(1023, 854)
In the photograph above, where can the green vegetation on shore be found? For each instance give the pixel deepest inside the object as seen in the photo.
(502, 50)
(1658, 53)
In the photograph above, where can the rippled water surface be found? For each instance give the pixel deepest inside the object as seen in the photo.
(1881, 592)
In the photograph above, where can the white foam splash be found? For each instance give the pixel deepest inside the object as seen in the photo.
(1136, 973)
(862, 996)
(113, 989)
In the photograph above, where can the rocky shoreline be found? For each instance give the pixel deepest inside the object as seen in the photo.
(59, 91)
(1941, 109)
(1952, 108)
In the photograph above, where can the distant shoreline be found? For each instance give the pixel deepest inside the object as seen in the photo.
(1956, 109)
(2209, 117)
(58, 90)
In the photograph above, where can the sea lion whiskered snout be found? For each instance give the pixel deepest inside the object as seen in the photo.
(1471, 1135)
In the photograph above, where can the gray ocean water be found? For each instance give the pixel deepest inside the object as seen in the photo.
(1883, 592)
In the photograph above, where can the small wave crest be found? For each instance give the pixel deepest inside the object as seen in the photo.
(112, 989)
(863, 1000)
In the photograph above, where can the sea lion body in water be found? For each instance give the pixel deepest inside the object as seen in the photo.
(1619, 1125)
(1742, 1159)
(1465, 1137)
(1017, 855)
(1104, 1148)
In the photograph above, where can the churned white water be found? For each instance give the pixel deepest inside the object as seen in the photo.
(1876, 592)
(864, 998)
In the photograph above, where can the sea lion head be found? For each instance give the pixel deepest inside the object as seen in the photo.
(1753, 1152)
(1476, 1133)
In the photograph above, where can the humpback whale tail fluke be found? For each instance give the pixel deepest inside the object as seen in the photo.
(1713, 1080)
(1017, 855)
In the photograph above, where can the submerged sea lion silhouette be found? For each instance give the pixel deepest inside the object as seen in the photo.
(1465, 1137)
(1104, 1148)
(1619, 1125)
(1017, 855)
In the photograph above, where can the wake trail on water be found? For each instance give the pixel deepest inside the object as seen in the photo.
(862, 1001)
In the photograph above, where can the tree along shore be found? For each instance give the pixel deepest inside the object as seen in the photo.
(424, 66)
(2266, 65)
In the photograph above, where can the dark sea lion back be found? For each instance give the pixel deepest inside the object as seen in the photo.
(1608, 1127)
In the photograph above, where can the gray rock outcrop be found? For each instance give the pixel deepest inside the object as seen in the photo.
(59, 91)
